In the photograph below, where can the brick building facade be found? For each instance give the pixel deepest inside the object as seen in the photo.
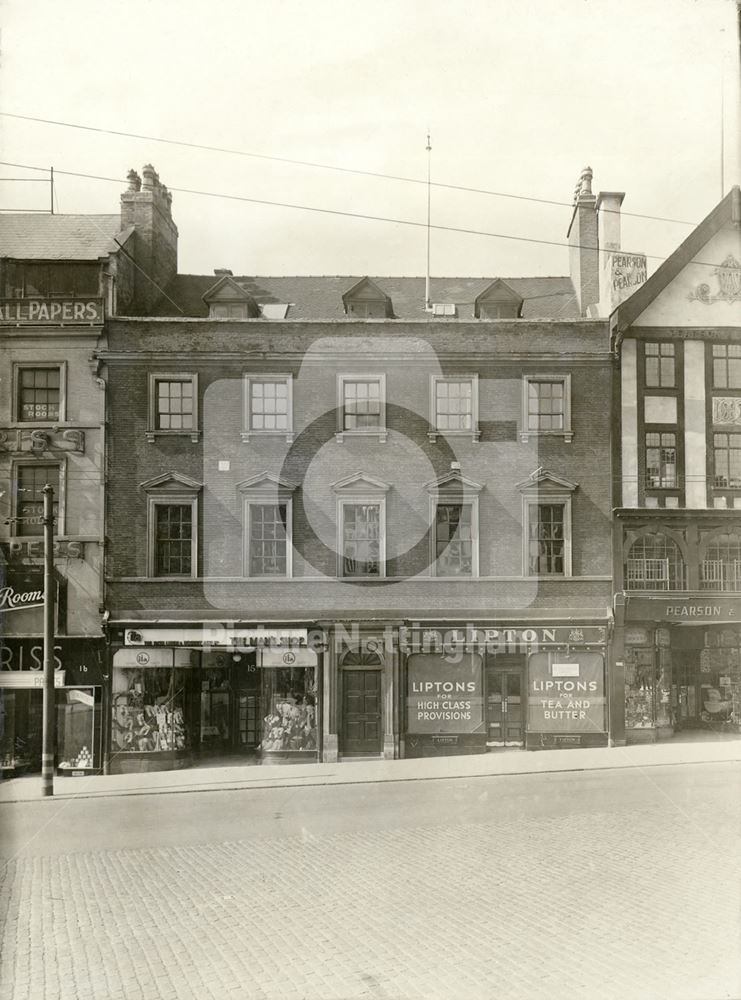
(346, 521)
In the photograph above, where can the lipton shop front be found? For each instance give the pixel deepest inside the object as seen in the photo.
(478, 689)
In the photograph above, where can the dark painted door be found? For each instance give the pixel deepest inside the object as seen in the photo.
(361, 712)
(504, 709)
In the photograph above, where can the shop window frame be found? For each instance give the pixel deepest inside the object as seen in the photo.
(61, 498)
(153, 431)
(16, 419)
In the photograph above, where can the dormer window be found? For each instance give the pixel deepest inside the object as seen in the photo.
(498, 301)
(365, 300)
(228, 300)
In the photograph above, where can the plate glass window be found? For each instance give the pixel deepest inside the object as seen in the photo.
(29, 507)
(38, 393)
(267, 541)
(454, 539)
(727, 366)
(361, 539)
(453, 404)
(546, 543)
(661, 461)
(268, 405)
(173, 539)
(361, 404)
(174, 405)
(727, 460)
(545, 405)
(660, 371)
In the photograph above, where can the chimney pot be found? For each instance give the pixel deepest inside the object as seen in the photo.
(134, 180)
(221, 272)
(148, 177)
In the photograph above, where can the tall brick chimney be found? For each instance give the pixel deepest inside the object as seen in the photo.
(583, 244)
(147, 205)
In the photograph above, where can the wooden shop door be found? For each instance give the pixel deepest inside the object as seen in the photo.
(505, 716)
(362, 731)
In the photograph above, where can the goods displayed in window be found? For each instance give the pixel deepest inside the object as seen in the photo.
(78, 728)
(291, 721)
(148, 711)
(640, 711)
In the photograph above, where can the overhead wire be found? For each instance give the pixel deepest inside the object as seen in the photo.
(325, 166)
(345, 214)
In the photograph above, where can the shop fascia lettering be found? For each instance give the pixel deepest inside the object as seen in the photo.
(217, 636)
(419, 638)
(17, 600)
(52, 311)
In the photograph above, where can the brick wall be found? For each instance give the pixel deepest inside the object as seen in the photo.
(406, 461)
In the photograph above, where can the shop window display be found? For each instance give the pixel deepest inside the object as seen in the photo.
(640, 707)
(78, 729)
(148, 711)
(291, 721)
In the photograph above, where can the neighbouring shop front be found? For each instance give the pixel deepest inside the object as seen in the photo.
(79, 698)
(203, 694)
(682, 664)
(477, 689)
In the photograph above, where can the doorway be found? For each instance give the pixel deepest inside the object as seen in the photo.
(362, 729)
(505, 717)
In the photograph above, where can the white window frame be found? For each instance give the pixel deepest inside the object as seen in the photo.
(475, 431)
(380, 432)
(18, 367)
(152, 430)
(242, 306)
(165, 499)
(248, 430)
(566, 432)
(60, 523)
(540, 500)
(252, 498)
(359, 499)
(461, 499)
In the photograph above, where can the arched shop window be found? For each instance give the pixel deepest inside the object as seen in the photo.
(721, 566)
(361, 658)
(654, 563)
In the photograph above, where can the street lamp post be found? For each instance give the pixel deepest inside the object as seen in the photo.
(48, 736)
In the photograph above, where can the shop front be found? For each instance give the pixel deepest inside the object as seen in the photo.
(477, 689)
(204, 695)
(682, 664)
(79, 693)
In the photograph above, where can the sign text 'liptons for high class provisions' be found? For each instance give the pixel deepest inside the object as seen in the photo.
(444, 696)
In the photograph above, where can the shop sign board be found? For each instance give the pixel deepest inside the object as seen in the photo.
(21, 596)
(566, 696)
(299, 657)
(58, 310)
(684, 609)
(79, 658)
(24, 680)
(19, 549)
(152, 658)
(215, 635)
(499, 637)
(445, 696)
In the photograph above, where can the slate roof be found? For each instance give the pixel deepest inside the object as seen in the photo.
(320, 297)
(26, 236)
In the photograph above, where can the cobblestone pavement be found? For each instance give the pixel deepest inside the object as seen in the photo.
(629, 904)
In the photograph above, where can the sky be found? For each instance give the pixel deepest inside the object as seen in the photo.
(518, 95)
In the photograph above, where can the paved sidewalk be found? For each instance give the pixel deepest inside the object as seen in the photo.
(201, 779)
